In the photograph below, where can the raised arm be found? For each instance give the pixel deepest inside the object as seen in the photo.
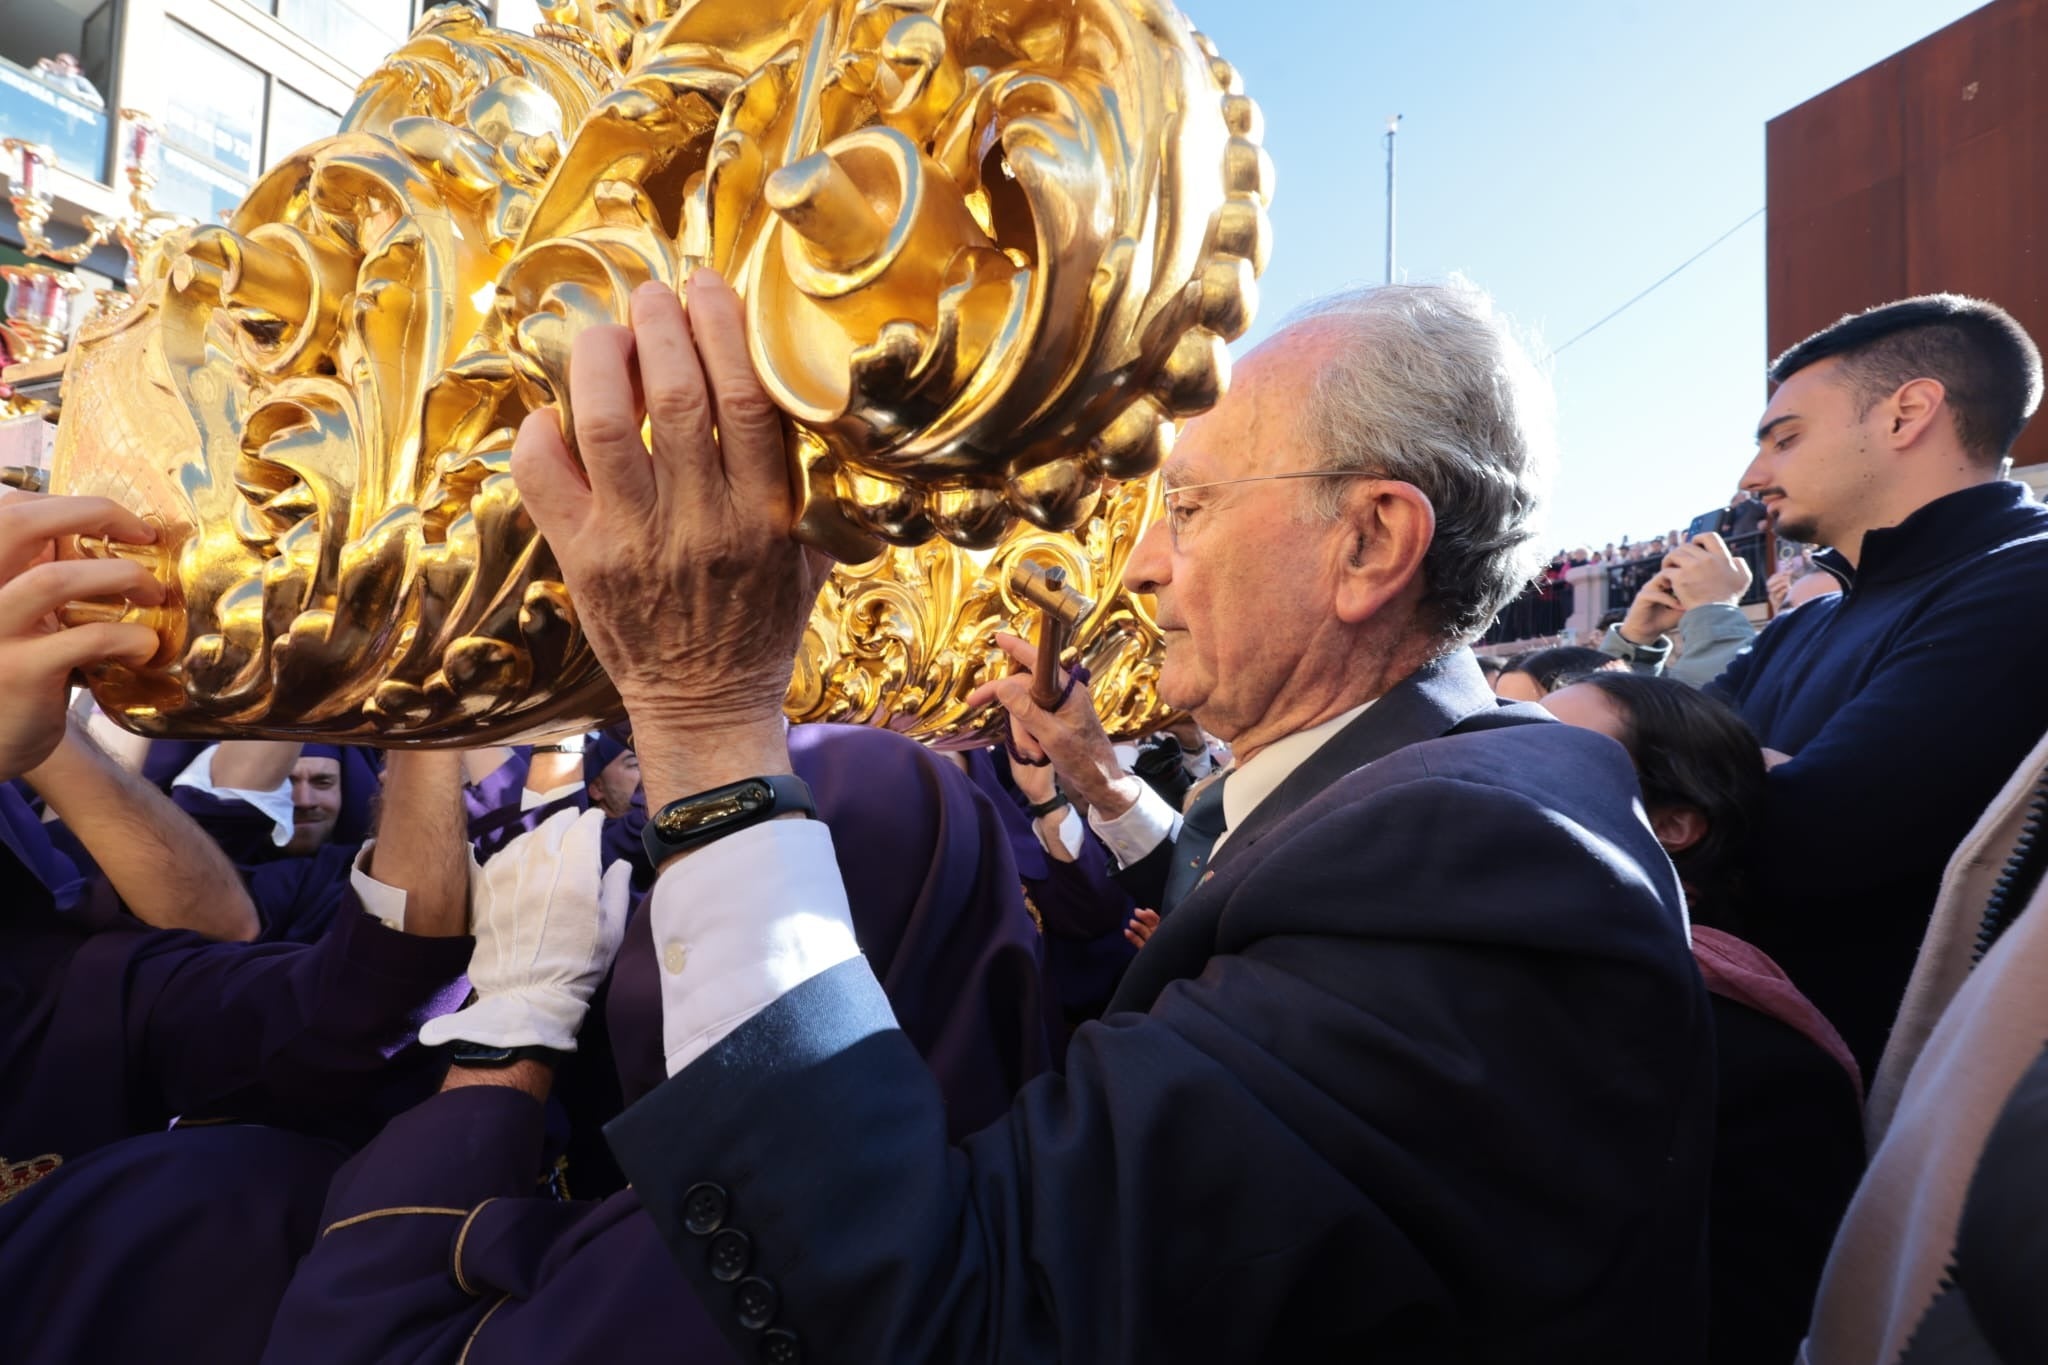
(423, 841)
(163, 866)
(254, 765)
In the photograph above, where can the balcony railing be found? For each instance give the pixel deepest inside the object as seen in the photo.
(67, 125)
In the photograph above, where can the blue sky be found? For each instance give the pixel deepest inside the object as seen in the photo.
(1563, 157)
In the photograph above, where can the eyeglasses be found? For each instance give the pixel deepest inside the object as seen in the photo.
(1177, 515)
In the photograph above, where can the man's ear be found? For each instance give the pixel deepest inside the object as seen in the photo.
(1913, 410)
(1387, 528)
(1677, 828)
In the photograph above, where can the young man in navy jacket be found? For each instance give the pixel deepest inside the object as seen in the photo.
(1896, 710)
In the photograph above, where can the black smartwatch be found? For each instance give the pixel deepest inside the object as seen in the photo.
(695, 820)
(490, 1056)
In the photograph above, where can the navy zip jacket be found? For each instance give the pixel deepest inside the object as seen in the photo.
(1905, 703)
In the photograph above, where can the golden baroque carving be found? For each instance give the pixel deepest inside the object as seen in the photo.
(991, 251)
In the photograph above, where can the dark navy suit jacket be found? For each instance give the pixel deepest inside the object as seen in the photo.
(1422, 1073)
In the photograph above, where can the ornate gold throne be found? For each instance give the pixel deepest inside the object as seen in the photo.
(991, 251)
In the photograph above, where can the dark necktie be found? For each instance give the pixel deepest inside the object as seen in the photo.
(1201, 825)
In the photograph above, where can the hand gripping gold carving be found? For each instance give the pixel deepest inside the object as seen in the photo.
(991, 251)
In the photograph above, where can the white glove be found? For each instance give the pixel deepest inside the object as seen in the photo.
(547, 927)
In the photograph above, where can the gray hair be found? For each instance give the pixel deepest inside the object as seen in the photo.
(1430, 386)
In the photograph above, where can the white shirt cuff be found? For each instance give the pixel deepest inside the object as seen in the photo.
(533, 800)
(277, 803)
(386, 903)
(1068, 832)
(740, 922)
(1148, 823)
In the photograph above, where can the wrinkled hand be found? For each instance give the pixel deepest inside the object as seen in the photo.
(1705, 570)
(1777, 588)
(1143, 922)
(37, 652)
(679, 558)
(1072, 737)
(1654, 614)
(548, 923)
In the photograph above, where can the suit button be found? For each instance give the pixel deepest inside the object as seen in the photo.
(755, 1301)
(704, 1208)
(731, 1253)
(779, 1347)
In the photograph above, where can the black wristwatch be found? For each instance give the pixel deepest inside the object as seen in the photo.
(1040, 809)
(695, 820)
(490, 1056)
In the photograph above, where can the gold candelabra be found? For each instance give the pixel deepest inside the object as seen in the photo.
(38, 323)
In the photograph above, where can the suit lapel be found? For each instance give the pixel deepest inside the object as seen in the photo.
(1425, 705)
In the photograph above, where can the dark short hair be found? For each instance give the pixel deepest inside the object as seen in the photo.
(1985, 360)
(1691, 750)
(1559, 665)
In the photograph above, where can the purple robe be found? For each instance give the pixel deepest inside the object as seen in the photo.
(166, 1247)
(46, 872)
(109, 1031)
(300, 899)
(169, 757)
(107, 1034)
(938, 912)
(1082, 907)
(499, 790)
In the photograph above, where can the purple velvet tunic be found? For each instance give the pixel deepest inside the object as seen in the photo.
(108, 1032)
(167, 1247)
(500, 789)
(1082, 907)
(108, 1028)
(511, 1277)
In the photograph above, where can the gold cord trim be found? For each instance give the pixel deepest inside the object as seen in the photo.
(477, 1330)
(391, 1213)
(462, 1237)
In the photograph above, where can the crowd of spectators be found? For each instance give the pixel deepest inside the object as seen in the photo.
(1596, 1004)
(1544, 608)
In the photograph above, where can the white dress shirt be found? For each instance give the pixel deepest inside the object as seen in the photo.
(529, 799)
(276, 803)
(1150, 821)
(384, 902)
(744, 920)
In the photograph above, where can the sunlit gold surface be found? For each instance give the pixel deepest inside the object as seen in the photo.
(990, 250)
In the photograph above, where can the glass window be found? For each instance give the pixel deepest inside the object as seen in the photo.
(216, 106)
(358, 32)
(53, 79)
(36, 111)
(196, 188)
(295, 122)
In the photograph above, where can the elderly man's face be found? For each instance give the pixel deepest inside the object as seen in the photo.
(1245, 585)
